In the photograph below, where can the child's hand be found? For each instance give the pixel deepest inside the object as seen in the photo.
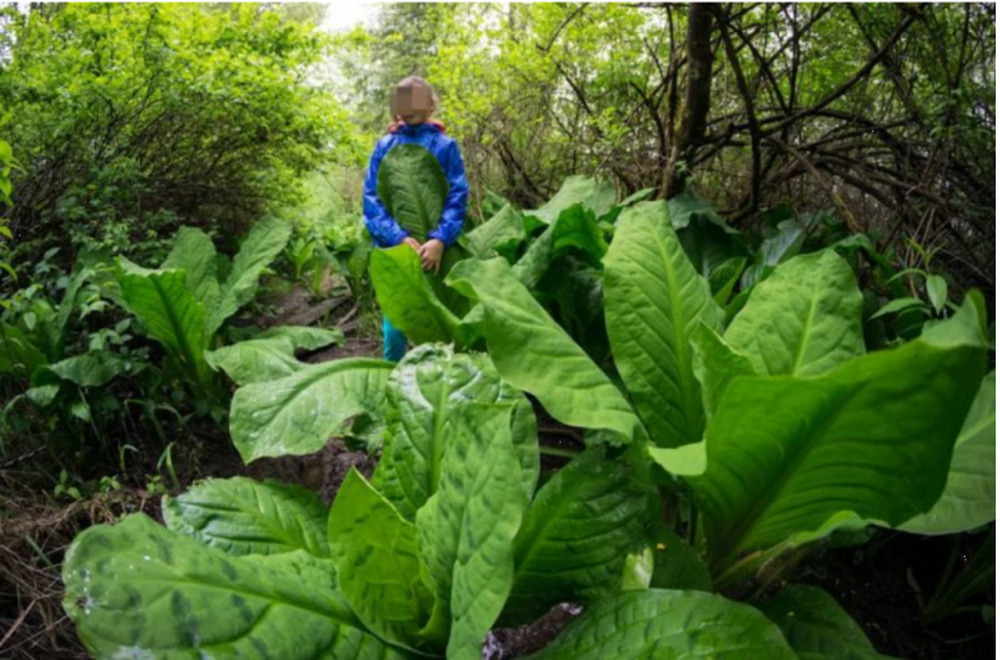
(430, 254)
(413, 243)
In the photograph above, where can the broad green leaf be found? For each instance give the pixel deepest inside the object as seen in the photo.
(532, 353)
(803, 320)
(937, 292)
(897, 305)
(265, 241)
(299, 413)
(466, 529)
(307, 338)
(777, 249)
(501, 235)
(708, 241)
(969, 497)
(91, 369)
(816, 627)
(576, 189)
(684, 461)
(871, 438)
(270, 355)
(138, 590)
(194, 253)
(245, 517)
(577, 533)
(424, 392)
(716, 364)
(575, 228)
(676, 565)
(724, 277)
(256, 360)
(171, 313)
(653, 301)
(668, 624)
(406, 297)
(42, 395)
(375, 552)
(18, 355)
(413, 188)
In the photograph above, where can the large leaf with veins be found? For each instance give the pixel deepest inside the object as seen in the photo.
(534, 354)
(425, 390)
(667, 624)
(466, 529)
(247, 517)
(786, 454)
(137, 589)
(299, 413)
(803, 320)
(654, 300)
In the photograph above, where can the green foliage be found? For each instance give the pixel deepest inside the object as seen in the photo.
(816, 627)
(658, 623)
(185, 303)
(434, 579)
(157, 114)
(655, 301)
(413, 188)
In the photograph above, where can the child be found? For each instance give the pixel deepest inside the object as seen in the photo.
(412, 103)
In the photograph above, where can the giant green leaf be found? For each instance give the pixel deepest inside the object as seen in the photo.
(270, 355)
(575, 228)
(138, 590)
(534, 354)
(577, 532)
(816, 627)
(194, 253)
(406, 297)
(265, 241)
(576, 189)
(969, 497)
(413, 188)
(466, 529)
(299, 413)
(786, 242)
(375, 552)
(92, 369)
(653, 301)
(171, 313)
(255, 360)
(708, 241)
(872, 438)
(716, 364)
(306, 337)
(666, 624)
(246, 517)
(501, 234)
(805, 319)
(425, 390)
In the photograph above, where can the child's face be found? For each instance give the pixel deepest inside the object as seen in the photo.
(414, 105)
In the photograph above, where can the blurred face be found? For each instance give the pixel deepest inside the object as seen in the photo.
(413, 105)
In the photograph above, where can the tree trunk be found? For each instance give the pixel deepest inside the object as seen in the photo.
(697, 96)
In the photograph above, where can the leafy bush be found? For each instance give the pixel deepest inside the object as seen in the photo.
(423, 558)
(185, 303)
(134, 119)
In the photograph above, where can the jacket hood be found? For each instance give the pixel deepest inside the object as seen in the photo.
(406, 129)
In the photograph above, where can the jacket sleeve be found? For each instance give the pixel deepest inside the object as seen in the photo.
(453, 216)
(382, 226)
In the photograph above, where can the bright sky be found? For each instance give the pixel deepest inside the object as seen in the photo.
(345, 15)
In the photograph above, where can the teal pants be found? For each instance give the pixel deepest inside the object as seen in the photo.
(393, 342)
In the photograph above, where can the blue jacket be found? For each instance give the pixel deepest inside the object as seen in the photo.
(382, 226)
